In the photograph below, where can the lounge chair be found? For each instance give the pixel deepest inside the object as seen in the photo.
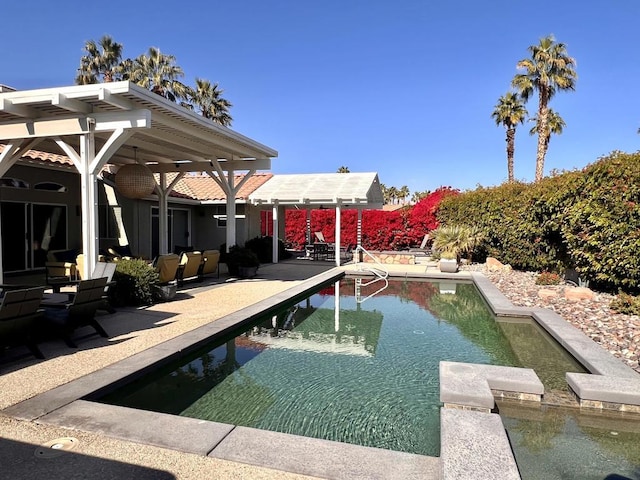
(61, 267)
(425, 246)
(167, 268)
(78, 309)
(210, 262)
(190, 265)
(19, 314)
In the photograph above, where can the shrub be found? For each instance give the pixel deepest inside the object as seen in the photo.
(601, 226)
(134, 281)
(263, 248)
(625, 303)
(240, 257)
(548, 278)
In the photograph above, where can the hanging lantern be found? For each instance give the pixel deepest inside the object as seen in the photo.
(135, 180)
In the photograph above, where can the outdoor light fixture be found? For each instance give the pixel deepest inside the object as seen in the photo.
(135, 180)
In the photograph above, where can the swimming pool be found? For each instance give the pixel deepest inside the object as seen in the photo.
(354, 362)
(559, 443)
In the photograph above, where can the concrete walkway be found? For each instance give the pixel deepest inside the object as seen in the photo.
(22, 455)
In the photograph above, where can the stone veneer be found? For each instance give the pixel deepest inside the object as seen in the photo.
(392, 258)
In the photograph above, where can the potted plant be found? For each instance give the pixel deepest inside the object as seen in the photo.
(452, 242)
(242, 262)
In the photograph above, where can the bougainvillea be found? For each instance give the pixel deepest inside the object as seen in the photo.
(381, 230)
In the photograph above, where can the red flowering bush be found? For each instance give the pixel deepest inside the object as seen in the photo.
(381, 230)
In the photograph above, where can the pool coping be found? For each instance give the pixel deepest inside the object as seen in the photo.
(65, 406)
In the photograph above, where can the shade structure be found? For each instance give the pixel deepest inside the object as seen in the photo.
(135, 181)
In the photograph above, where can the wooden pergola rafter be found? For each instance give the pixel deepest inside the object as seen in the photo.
(121, 123)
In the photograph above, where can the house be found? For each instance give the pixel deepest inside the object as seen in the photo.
(65, 149)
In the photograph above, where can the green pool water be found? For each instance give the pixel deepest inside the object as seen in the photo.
(554, 443)
(354, 362)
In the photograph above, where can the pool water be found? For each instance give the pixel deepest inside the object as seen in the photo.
(554, 443)
(355, 362)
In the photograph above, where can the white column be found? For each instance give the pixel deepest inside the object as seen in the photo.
(89, 204)
(275, 232)
(359, 228)
(231, 211)
(163, 215)
(309, 226)
(336, 247)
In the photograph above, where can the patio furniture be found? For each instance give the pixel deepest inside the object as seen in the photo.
(425, 246)
(210, 262)
(78, 309)
(167, 268)
(60, 267)
(189, 268)
(19, 312)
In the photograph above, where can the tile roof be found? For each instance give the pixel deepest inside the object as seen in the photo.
(44, 156)
(194, 186)
(200, 186)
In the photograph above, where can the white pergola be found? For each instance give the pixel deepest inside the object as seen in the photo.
(320, 190)
(121, 123)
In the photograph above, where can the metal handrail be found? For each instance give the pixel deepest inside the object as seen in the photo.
(380, 272)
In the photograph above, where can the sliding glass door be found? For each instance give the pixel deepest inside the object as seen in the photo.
(29, 230)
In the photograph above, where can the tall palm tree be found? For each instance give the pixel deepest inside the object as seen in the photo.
(509, 112)
(207, 97)
(343, 169)
(555, 125)
(550, 69)
(159, 73)
(403, 193)
(393, 194)
(101, 63)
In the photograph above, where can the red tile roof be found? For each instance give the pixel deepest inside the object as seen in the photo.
(44, 156)
(200, 186)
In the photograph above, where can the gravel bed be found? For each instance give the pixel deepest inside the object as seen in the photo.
(618, 333)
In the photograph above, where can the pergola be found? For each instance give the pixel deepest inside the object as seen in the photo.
(121, 123)
(320, 190)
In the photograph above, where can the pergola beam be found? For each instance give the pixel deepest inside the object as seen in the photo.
(75, 125)
(9, 106)
(62, 101)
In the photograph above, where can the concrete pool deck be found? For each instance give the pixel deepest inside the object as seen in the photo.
(108, 436)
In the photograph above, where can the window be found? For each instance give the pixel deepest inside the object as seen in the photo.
(13, 183)
(50, 186)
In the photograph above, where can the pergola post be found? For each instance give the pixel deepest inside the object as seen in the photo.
(275, 232)
(338, 228)
(89, 204)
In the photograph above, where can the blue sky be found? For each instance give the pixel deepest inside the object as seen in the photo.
(405, 88)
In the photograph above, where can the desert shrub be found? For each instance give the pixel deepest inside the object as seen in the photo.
(548, 278)
(134, 281)
(625, 303)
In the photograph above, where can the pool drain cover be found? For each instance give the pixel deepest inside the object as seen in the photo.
(56, 447)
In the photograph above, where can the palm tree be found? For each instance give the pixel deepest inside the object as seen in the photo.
(343, 169)
(403, 193)
(417, 196)
(207, 97)
(509, 112)
(101, 62)
(555, 125)
(549, 70)
(159, 73)
(393, 194)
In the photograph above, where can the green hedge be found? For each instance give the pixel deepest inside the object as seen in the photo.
(588, 220)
